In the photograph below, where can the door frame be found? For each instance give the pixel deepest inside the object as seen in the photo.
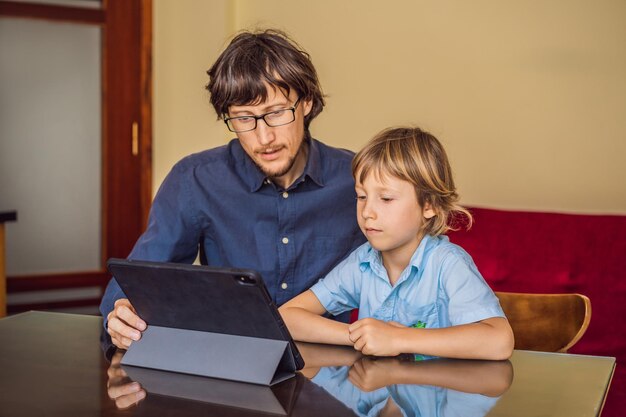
(126, 137)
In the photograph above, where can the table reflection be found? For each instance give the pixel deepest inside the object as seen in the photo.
(336, 381)
(408, 385)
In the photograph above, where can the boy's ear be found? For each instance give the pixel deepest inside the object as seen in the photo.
(428, 211)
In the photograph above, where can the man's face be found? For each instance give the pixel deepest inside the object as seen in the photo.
(277, 151)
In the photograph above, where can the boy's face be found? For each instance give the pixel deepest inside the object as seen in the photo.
(389, 214)
(277, 151)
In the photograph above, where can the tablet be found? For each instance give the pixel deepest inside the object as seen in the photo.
(204, 299)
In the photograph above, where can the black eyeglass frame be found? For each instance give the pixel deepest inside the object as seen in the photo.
(262, 116)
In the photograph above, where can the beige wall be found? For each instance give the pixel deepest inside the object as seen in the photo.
(528, 97)
(188, 37)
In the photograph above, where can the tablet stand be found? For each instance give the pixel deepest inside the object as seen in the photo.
(237, 358)
(274, 400)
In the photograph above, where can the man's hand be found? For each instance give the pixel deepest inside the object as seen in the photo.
(124, 325)
(120, 388)
(375, 337)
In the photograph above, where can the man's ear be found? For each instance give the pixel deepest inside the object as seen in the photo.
(428, 211)
(307, 105)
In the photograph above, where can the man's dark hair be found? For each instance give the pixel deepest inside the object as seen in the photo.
(254, 58)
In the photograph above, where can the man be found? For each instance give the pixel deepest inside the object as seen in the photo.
(274, 199)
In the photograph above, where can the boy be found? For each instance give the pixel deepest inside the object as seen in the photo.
(416, 292)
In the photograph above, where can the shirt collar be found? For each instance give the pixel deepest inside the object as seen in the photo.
(313, 168)
(254, 178)
(370, 257)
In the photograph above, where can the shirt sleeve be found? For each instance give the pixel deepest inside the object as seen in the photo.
(173, 230)
(340, 290)
(172, 234)
(469, 296)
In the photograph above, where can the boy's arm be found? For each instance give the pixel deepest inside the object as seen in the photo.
(490, 378)
(318, 356)
(324, 355)
(303, 316)
(491, 338)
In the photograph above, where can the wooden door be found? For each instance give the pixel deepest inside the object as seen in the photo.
(126, 99)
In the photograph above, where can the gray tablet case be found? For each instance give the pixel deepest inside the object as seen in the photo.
(278, 399)
(215, 322)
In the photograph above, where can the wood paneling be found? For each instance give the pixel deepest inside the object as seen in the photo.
(3, 278)
(51, 12)
(122, 92)
(57, 281)
(8, 216)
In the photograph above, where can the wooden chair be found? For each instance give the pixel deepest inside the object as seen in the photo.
(546, 322)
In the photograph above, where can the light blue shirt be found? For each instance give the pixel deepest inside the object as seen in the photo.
(413, 400)
(441, 287)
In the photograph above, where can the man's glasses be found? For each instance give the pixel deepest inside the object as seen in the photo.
(272, 119)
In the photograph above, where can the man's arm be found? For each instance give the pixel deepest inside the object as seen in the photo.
(172, 235)
(303, 316)
(491, 338)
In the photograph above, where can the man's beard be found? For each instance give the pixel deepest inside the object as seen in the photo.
(286, 168)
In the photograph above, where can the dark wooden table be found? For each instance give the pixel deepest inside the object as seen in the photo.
(52, 364)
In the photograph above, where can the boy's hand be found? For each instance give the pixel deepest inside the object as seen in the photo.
(375, 337)
(370, 374)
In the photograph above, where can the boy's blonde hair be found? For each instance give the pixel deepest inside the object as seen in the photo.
(413, 155)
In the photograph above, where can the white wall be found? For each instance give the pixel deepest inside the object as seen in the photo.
(50, 145)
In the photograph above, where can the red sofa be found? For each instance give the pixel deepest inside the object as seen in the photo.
(560, 253)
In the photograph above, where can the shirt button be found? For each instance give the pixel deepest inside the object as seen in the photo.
(285, 194)
(283, 285)
(285, 240)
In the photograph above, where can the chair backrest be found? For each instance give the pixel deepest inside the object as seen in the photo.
(546, 322)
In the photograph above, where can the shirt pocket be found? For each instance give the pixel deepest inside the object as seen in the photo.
(418, 316)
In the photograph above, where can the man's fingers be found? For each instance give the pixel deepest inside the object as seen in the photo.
(118, 389)
(124, 310)
(122, 329)
(116, 359)
(122, 342)
(127, 314)
(123, 302)
(119, 340)
(129, 400)
(116, 372)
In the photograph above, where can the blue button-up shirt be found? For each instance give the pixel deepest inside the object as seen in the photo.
(219, 201)
(441, 287)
